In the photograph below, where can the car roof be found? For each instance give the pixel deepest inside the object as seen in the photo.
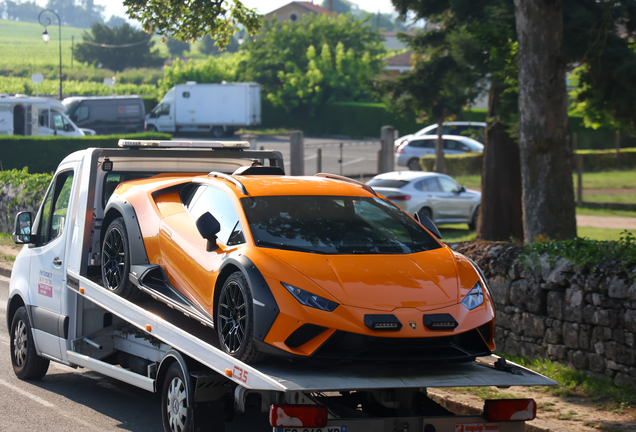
(448, 137)
(405, 175)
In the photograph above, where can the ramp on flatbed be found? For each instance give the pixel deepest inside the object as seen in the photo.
(200, 342)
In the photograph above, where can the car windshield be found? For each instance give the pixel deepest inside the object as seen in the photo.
(334, 225)
(387, 183)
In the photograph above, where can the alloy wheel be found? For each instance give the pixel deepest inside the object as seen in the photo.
(20, 341)
(115, 257)
(232, 317)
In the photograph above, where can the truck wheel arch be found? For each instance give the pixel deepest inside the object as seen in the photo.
(15, 303)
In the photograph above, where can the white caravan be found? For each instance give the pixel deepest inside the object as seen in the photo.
(35, 116)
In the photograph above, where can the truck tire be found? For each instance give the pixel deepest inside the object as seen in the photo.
(176, 414)
(235, 319)
(473, 220)
(116, 261)
(218, 132)
(27, 364)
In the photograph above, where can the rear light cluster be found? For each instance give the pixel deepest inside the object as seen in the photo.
(400, 198)
(298, 415)
(510, 410)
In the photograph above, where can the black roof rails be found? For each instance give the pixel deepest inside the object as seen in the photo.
(348, 180)
(240, 186)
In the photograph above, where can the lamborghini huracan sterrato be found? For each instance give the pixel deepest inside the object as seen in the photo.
(316, 268)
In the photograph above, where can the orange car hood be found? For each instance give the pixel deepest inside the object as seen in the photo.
(426, 280)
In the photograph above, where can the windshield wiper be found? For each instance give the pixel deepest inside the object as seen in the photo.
(285, 246)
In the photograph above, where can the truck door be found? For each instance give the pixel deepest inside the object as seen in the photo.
(163, 121)
(48, 275)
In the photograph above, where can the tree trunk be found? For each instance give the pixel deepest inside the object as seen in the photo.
(546, 155)
(439, 147)
(500, 213)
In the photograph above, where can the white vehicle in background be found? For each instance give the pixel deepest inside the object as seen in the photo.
(476, 130)
(436, 196)
(219, 109)
(35, 116)
(408, 153)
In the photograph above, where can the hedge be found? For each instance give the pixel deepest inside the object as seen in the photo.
(42, 154)
(593, 160)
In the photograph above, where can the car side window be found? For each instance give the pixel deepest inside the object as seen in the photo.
(58, 121)
(416, 144)
(82, 113)
(43, 118)
(220, 205)
(420, 186)
(432, 185)
(448, 185)
(55, 208)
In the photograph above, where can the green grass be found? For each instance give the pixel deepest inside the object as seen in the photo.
(456, 233)
(470, 181)
(605, 212)
(600, 233)
(276, 131)
(5, 239)
(629, 197)
(485, 392)
(574, 382)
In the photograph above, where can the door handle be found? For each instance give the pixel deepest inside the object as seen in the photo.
(57, 261)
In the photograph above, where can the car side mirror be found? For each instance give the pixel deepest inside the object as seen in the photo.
(461, 189)
(68, 128)
(208, 227)
(427, 223)
(22, 229)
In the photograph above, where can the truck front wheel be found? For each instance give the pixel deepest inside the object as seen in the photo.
(27, 364)
(218, 132)
(175, 412)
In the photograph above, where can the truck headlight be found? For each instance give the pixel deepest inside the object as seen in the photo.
(308, 299)
(474, 298)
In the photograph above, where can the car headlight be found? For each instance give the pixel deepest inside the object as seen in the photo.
(308, 299)
(474, 298)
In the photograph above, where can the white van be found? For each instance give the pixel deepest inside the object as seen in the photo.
(35, 116)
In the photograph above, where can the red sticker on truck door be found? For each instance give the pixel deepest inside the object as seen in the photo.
(45, 284)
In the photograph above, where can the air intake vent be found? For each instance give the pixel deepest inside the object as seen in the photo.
(382, 322)
(440, 322)
(304, 334)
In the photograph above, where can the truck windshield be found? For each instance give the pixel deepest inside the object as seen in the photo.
(334, 225)
(70, 106)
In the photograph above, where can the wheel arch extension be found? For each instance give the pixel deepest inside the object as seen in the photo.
(265, 306)
(120, 207)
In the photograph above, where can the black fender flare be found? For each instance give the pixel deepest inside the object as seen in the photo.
(265, 306)
(138, 255)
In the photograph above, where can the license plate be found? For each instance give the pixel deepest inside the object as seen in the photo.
(303, 429)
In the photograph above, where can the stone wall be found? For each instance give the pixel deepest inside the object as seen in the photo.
(14, 199)
(569, 314)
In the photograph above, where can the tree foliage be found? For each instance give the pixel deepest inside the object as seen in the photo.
(314, 60)
(209, 47)
(77, 13)
(136, 52)
(20, 11)
(193, 19)
(176, 47)
(213, 70)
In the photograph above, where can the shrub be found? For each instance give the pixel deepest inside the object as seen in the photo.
(43, 154)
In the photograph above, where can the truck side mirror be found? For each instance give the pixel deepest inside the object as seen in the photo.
(208, 227)
(68, 128)
(22, 229)
(428, 224)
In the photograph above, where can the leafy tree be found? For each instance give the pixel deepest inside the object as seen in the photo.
(209, 47)
(213, 70)
(314, 60)
(77, 13)
(20, 11)
(115, 21)
(193, 19)
(117, 48)
(176, 47)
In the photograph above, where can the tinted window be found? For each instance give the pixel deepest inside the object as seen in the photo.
(454, 145)
(43, 118)
(422, 144)
(448, 185)
(432, 185)
(220, 205)
(81, 114)
(387, 183)
(334, 225)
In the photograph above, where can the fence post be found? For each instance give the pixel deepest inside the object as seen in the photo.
(319, 160)
(618, 149)
(386, 155)
(297, 153)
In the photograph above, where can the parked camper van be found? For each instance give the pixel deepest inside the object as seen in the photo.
(107, 115)
(38, 116)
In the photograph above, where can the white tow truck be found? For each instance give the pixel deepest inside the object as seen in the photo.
(59, 311)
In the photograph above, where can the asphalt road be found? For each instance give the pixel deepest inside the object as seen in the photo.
(358, 158)
(67, 399)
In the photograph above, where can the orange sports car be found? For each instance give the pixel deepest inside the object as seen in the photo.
(301, 267)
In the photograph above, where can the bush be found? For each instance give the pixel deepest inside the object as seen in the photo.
(43, 154)
(593, 160)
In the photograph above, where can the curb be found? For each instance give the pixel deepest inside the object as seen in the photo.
(5, 269)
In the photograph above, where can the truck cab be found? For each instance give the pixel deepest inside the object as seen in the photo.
(40, 116)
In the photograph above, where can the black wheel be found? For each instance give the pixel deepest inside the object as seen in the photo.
(473, 221)
(235, 319)
(218, 132)
(116, 261)
(150, 128)
(27, 364)
(425, 211)
(414, 165)
(176, 414)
